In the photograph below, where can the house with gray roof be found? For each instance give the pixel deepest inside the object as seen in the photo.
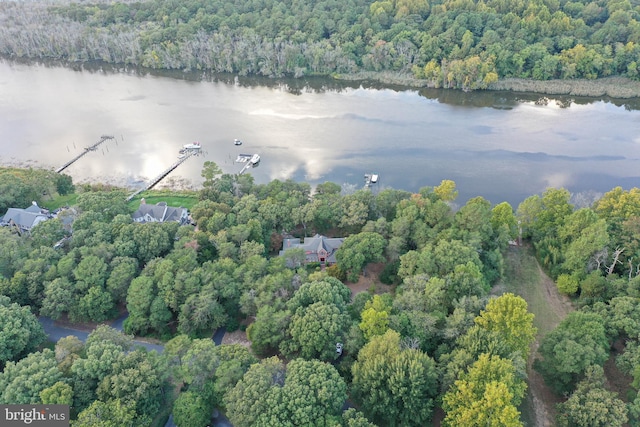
(317, 248)
(160, 212)
(25, 219)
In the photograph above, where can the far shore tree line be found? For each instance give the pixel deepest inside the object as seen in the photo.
(444, 43)
(431, 338)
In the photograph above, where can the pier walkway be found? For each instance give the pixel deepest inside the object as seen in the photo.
(164, 173)
(93, 147)
(251, 161)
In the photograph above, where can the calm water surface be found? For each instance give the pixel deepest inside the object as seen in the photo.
(502, 146)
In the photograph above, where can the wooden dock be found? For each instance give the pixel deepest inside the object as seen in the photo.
(251, 161)
(93, 147)
(370, 179)
(164, 173)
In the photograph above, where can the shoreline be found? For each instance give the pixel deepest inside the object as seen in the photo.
(616, 87)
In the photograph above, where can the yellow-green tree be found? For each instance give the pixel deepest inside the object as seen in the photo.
(375, 317)
(487, 395)
(446, 191)
(508, 316)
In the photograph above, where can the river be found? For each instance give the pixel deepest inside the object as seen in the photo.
(499, 145)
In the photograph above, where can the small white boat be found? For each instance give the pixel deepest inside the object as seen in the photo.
(255, 159)
(182, 156)
(237, 142)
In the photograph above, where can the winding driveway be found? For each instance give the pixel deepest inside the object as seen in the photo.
(55, 332)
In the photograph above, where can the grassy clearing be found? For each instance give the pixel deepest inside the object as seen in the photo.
(523, 277)
(60, 201)
(185, 199)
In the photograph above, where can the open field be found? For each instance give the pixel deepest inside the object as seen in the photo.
(523, 276)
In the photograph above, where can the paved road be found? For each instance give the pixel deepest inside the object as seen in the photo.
(218, 335)
(55, 332)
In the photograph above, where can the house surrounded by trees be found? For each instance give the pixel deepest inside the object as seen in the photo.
(317, 248)
(25, 219)
(160, 212)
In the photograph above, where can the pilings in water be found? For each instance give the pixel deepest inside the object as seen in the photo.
(250, 160)
(93, 147)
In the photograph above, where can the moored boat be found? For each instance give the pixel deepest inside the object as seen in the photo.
(193, 146)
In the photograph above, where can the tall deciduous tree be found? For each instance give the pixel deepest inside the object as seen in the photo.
(113, 413)
(190, 409)
(313, 392)
(592, 405)
(23, 381)
(246, 401)
(60, 393)
(137, 380)
(358, 250)
(394, 385)
(315, 330)
(578, 342)
(20, 331)
(508, 316)
(375, 317)
(488, 395)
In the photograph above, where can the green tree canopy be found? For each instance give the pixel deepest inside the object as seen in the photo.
(113, 413)
(20, 331)
(591, 404)
(508, 316)
(22, 382)
(394, 385)
(191, 410)
(578, 342)
(487, 395)
(358, 250)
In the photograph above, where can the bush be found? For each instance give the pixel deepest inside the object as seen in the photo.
(334, 271)
(389, 276)
(567, 284)
(233, 324)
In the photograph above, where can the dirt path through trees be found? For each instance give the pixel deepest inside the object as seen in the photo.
(525, 277)
(543, 400)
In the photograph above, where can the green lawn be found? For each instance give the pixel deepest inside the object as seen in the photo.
(185, 199)
(59, 201)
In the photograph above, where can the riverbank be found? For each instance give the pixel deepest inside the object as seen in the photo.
(612, 87)
(616, 87)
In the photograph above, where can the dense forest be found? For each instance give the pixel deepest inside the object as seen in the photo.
(445, 43)
(434, 342)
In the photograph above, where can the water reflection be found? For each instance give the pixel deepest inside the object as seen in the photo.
(476, 99)
(501, 145)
